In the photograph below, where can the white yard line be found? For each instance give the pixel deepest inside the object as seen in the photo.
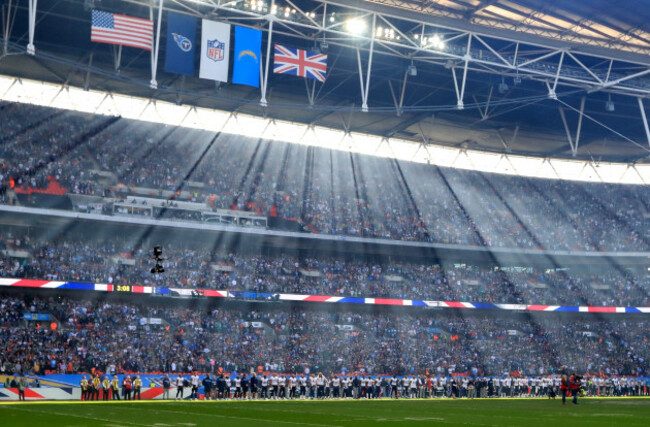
(260, 420)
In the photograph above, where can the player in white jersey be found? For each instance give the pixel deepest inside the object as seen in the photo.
(302, 381)
(264, 381)
(312, 386)
(228, 393)
(275, 381)
(369, 387)
(393, 386)
(345, 383)
(336, 387)
(195, 382)
(412, 384)
(292, 386)
(238, 390)
(320, 385)
(283, 387)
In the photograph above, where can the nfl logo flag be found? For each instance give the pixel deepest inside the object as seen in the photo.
(301, 63)
(215, 50)
(124, 30)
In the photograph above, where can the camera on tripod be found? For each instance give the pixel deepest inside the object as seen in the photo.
(157, 255)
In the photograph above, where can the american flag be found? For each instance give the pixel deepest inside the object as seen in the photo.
(300, 63)
(121, 29)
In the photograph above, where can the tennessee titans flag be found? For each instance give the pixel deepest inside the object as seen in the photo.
(181, 31)
(248, 56)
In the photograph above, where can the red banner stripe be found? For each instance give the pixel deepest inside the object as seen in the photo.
(319, 298)
(454, 304)
(31, 283)
(389, 301)
(537, 307)
(601, 309)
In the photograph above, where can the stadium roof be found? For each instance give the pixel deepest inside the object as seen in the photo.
(528, 77)
(599, 23)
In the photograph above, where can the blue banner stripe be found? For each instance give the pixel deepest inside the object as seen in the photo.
(484, 305)
(353, 300)
(80, 286)
(566, 308)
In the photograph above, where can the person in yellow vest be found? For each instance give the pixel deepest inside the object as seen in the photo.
(96, 384)
(137, 385)
(106, 386)
(115, 388)
(84, 388)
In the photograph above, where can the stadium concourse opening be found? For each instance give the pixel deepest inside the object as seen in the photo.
(324, 213)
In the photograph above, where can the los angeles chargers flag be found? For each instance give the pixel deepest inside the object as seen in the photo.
(181, 32)
(248, 56)
(215, 50)
(301, 63)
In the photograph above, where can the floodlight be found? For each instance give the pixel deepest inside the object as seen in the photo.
(355, 26)
(412, 70)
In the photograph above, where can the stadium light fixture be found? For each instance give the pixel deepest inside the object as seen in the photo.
(355, 26)
(609, 105)
(434, 41)
(503, 86)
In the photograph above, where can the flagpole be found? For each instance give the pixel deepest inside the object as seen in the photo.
(154, 53)
(31, 50)
(271, 18)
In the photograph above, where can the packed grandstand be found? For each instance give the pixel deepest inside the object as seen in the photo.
(156, 167)
(95, 156)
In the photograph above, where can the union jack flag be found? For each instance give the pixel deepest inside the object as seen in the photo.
(300, 63)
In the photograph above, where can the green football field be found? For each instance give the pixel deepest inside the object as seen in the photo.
(486, 412)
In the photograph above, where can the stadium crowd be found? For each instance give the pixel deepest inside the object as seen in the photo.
(189, 264)
(332, 192)
(118, 337)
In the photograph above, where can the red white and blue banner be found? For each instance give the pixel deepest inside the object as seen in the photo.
(301, 63)
(211, 293)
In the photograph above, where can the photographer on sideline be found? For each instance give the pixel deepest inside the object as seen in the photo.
(574, 383)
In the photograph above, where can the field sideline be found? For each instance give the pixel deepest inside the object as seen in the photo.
(330, 413)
